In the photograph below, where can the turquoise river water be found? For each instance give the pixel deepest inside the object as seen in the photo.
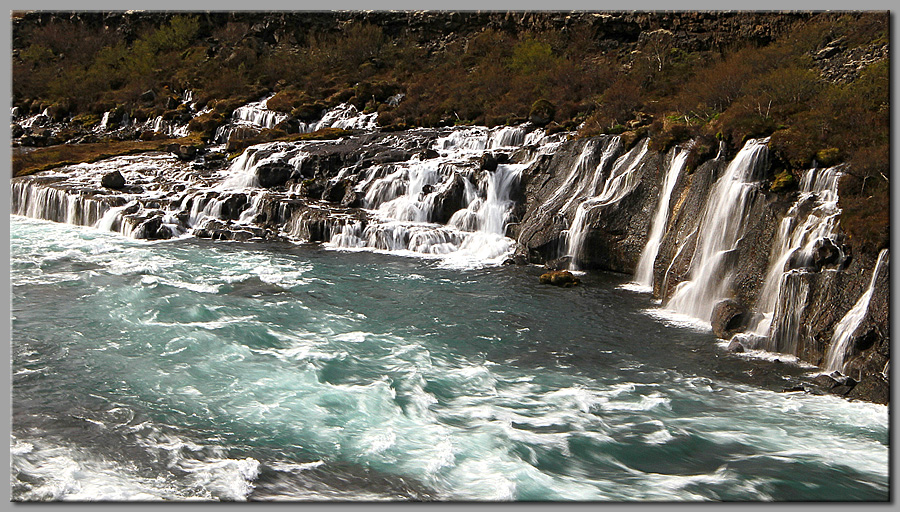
(190, 369)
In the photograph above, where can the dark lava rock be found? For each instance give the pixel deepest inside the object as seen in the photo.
(873, 388)
(181, 151)
(562, 278)
(16, 131)
(558, 263)
(826, 253)
(153, 229)
(449, 200)
(113, 180)
(427, 154)
(336, 191)
(148, 96)
(390, 156)
(736, 347)
(727, 318)
(233, 206)
(274, 174)
(488, 162)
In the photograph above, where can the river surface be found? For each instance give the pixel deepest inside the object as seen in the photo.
(191, 369)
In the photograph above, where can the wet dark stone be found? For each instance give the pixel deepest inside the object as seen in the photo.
(736, 347)
(562, 278)
(873, 388)
(113, 180)
(427, 154)
(153, 229)
(181, 151)
(449, 200)
(727, 318)
(488, 162)
(273, 174)
(826, 253)
(335, 191)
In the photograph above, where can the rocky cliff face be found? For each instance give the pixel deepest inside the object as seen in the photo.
(623, 30)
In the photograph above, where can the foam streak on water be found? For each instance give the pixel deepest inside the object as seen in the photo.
(195, 370)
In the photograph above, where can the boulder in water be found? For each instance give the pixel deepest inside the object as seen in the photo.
(736, 346)
(182, 151)
(113, 180)
(448, 200)
(727, 318)
(873, 388)
(562, 278)
(153, 229)
(427, 154)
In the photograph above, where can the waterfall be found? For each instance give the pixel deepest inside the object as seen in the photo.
(344, 116)
(721, 228)
(846, 328)
(621, 180)
(104, 122)
(404, 199)
(585, 163)
(258, 115)
(810, 222)
(644, 273)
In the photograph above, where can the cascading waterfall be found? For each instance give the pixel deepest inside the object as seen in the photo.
(810, 221)
(585, 163)
(57, 205)
(846, 328)
(403, 198)
(644, 273)
(721, 228)
(344, 116)
(258, 114)
(621, 180)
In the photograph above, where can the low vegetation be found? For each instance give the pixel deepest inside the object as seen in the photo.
(42, 159)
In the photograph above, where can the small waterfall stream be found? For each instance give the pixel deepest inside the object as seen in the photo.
(809, 225)
(643, 276)
(721, 228)
(621, 180)
(846, 328)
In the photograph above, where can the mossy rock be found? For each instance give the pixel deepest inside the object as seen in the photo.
(542, 112)
(784, 182)
(562, 278)
(86, 120)
(829, 157)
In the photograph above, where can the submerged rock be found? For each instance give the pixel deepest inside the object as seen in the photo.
(562, 278)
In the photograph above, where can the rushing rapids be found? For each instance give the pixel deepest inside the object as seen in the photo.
(710, 243)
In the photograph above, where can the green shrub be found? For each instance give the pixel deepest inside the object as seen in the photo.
(784, 182)
(829, 157)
